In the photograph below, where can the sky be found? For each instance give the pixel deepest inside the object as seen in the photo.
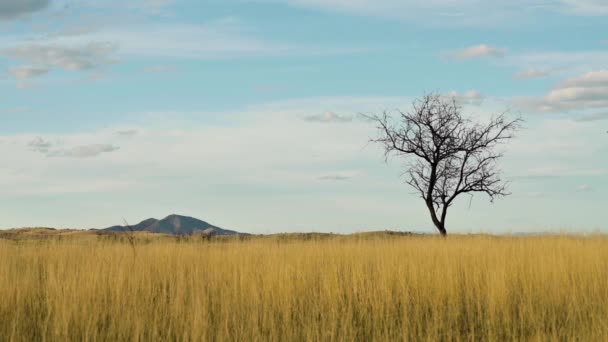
(245, 113)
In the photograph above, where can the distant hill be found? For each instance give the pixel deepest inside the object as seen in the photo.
(176, 225)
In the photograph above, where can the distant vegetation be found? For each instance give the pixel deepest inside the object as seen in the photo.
(71, 285)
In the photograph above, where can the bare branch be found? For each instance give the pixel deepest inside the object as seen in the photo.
(448, 154)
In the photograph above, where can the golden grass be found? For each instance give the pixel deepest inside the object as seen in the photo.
(466, 288)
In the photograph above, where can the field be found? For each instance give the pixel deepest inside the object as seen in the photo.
(377, 287)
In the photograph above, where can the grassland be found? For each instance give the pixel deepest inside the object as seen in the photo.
(75, 286)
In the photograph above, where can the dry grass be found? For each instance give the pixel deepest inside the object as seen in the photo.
(471, 288)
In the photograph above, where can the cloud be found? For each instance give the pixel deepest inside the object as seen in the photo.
(81, 57)
(532, 194)
(455, 12)
(127, 133)
(155, 7)
(157, 3)
(210, 41)
(584, 188)
(585, 92)
(158, 69)
(590, 79)
(38, 144)
(556, 170)
(27, 71)
(531, 73)
(71, 31)
(338, 177)
(19, 110)
(477, 51)
(471, 97)
(579, 61)
(586, 7)
(90, 50)
(328, 117)
(49, 149)
(593, 117)
(84, 151)
(180, 157)
(11, 9)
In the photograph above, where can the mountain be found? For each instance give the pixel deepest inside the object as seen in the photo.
(174, 224)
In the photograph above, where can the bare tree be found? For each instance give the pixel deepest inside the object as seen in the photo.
(447, 154)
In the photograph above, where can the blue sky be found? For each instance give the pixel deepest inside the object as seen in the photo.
(244, 113)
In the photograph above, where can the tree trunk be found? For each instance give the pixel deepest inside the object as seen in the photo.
(439, 224)
(442, 230)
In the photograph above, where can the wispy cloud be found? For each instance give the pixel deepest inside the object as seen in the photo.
(18, 110)
(339, 176)
(51, 149)
(559, 170)
(27, 71)
(476, 51)
(79, 57)
(585, 92)
(471, 97)
(593, 117)
(159, 69)
(531, 73)
(328, 117)
(46, 57)
(584, 188)
(127, 132)
(455, 12)
(84, 151)
(558, 62)
(585, 7)
(486, 13)
(39, 144)
(10, 9)
(93, 49)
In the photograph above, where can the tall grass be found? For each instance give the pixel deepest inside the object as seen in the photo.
(403, 288)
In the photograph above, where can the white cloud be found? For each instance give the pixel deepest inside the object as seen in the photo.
(562, 62)
(27, 71)
(586, 92)
(560, 170)
(75, 57)
(251, 150)
(584, 188)
(476, 51)
(531, 73)
(19, 110)
(50, 149)
(266, 153)
(593, 117)
(84, 151)
(471, 97)
(590, 79)
(586, 7)
(10, 9)
(214, 40)
(328, 117)
(547, 140)
(39, 144)
(127, 133)
(94, 49)
(158, 69)
(156, 6)
(461, 12)
(339, 176)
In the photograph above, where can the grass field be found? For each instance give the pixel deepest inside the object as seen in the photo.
(367, 288)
